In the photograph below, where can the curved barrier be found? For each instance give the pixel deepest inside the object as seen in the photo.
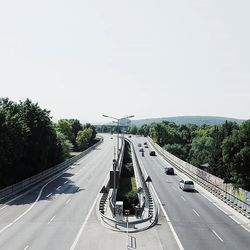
(152, 216)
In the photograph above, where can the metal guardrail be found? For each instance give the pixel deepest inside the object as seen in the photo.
(147, 194)
(152, 217)
(23, 185)
(233, 201)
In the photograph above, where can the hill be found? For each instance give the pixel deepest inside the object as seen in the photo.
(198, 120)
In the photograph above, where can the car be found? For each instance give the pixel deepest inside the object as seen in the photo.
(187, 185)
(146, 146)
(139, 144)
(145, 143)
(169, 171)
(141, 150)
(129, 136)
(152, 153)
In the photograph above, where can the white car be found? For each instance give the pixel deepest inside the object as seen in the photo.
(186, 185)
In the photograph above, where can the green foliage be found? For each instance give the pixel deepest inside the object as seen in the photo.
(65, 127)
(225, 147)
(132, 130)
(65, 144)
(28, 141)
(84, 137)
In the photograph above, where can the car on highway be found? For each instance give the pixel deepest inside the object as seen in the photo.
(146, 146)
(169, 171)
(152, 153)
(141, 150)
(139, 144)
(186, 185)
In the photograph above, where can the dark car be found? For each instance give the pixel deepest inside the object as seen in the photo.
(152, 153)
(169, 171)
(141, 150)
(145, 143)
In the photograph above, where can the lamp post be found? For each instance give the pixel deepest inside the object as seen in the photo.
(118, 128)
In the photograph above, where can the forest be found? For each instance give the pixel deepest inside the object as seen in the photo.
(224, 149)
(31, 142)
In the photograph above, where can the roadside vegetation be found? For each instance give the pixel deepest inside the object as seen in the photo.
(226, 147)
(30, 142)
(127, 191)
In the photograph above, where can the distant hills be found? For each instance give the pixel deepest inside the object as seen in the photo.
(198, 120)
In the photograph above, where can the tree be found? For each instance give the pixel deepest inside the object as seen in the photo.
(132, 130)
(65, 144)
(200, 150)
(236, 155)
(64, 126)
(28, 142)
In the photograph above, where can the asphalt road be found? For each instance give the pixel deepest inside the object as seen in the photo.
(51, 216)
(199, 224)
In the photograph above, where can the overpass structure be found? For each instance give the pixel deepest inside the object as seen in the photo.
(62, 211)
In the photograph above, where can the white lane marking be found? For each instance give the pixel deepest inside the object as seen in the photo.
(51, 219)
(37, 199)
(165, 213)
(66, 182)
(49, 195)
(3, 207)
(26, 247)
(58, 187)
(183, 198)
(68, 201)
(196, 213)
(217, 236)
(226, 213)
(83, 226)
(86, 219)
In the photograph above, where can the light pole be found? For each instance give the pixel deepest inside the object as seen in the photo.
(118, 128)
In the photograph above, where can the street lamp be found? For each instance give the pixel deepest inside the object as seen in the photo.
(118, 128)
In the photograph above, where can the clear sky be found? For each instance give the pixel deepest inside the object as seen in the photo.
(158, 58)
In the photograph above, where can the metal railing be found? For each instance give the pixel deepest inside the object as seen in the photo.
(215, 189)
(23, 185)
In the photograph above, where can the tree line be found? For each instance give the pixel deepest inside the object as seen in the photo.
(30, 142)
(225, 149)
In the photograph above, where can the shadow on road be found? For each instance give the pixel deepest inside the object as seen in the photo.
(63, 185)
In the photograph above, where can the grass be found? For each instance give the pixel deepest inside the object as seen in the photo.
(127, 184)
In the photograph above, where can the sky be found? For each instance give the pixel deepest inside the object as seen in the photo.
(84, 58)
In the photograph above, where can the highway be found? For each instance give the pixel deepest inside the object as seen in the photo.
(198, 223)
(51, 216)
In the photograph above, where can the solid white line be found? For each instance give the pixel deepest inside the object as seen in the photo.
(26, 247)
(183, 198)
(196, 213)
(165, 213)
(218, 236)
(49, 195)
(68, 201)
(51, 219)
(38, 197)
(58, 187)
(83, 226)
(66, 182)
